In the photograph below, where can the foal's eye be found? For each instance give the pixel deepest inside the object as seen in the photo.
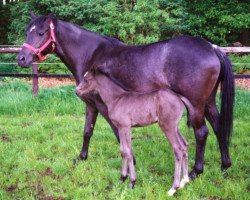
(41, 34)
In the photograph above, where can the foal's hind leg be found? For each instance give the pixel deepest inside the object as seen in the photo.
(213, 116)
(185, 177)
(172, 136)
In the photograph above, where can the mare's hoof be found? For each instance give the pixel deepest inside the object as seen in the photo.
(224, 173)
(75, 161)
(132, 184)
(225, 166)
(123, 178)
(82, 156)
(194, 173)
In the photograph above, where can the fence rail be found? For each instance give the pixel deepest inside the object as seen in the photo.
(35, 75)
(42, 75)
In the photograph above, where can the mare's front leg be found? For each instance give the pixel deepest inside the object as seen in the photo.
(91, 115)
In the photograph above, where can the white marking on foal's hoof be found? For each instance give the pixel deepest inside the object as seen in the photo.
(171, 192)
(184, 181)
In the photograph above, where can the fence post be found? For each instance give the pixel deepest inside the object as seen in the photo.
(35, 78)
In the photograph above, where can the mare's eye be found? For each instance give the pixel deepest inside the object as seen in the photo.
(41, 34)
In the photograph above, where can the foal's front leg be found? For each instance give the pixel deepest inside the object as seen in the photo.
(127, 156)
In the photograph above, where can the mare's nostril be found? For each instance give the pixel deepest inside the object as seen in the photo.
(22, 58)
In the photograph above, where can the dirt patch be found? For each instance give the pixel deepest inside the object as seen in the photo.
(40, 193)
(25, 124)
(54, 82)
(5, 138)
(243, 83)
(49, 172)
(11, 188)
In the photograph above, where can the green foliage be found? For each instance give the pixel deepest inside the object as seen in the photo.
(141, 21)
(241, 64)
(4, 22)
(133, 22)
(217, 20)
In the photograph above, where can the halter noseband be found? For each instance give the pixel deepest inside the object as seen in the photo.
(38, 51)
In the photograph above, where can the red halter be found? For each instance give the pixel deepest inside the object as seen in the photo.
(38, 51)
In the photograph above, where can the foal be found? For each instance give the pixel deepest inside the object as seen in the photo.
(129, 109)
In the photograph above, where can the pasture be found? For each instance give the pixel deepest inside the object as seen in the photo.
(40, 137)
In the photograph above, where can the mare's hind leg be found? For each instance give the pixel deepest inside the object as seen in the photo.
(201, 132)
(213, 116)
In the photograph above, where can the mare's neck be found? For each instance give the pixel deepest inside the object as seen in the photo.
(108, 90)
(75, 47)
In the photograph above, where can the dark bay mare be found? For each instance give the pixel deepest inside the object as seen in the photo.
(189, 66)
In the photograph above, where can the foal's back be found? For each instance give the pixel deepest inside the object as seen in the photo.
(135, 109)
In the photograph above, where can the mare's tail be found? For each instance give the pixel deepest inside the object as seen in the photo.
(226, 80)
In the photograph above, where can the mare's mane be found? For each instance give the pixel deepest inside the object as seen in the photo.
(38, 21)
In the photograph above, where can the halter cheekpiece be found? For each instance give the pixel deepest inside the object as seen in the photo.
(38, 51)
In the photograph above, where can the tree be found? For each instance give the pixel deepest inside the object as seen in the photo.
(218, 21)
(138, 22)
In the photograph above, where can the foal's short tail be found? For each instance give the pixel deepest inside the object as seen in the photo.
(227, 97)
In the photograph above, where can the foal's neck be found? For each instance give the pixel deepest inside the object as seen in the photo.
(108, 90)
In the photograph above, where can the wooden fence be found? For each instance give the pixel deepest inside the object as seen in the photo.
(35, 75)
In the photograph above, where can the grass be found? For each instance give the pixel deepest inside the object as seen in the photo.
(39, 138)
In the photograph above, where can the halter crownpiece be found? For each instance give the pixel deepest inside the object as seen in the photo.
(38, 51)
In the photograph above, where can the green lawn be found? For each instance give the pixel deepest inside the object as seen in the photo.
(39, 138)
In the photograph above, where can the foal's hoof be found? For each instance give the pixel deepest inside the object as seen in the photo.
(134, 160)
(132, 184)
(184, 181)
(123, 178)
(171, 192)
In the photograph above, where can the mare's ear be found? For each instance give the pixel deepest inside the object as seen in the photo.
(51, 16)
(32, 14)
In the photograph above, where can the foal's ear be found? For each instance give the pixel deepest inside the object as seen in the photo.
(32, 14)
